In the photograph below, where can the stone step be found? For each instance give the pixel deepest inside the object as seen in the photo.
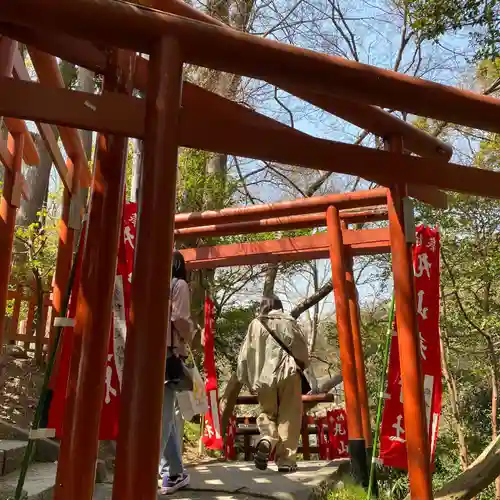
(11, 455)
(39, 484)
(46, 450)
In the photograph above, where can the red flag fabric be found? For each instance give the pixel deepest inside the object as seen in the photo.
(108, 429)
(212, 437)
(59, 379)
(230, 448)
(323, 443)
(337, 433)
(114, 364)
(426, 272)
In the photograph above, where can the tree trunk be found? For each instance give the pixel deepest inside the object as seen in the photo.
(270, 280)
(37, 179)
(475, 479)
(39, 326)
(494, 375)
(85, 84)
(228, 401)
(494, 402)
(457, 419)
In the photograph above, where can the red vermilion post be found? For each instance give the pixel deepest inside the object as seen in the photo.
(359, 359)
(9, 203)
(347, 354)
(138, 448)
(358, 351)
(64, 249)
(79, 446)
(417, 444)
(7, 209)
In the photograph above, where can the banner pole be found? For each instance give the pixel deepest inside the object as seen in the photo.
(202, 430)
(383, 377)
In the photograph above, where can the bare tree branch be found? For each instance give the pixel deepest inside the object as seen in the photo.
(312, 300)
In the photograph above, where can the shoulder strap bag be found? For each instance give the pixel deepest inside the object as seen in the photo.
(306, 387)
(177, 374)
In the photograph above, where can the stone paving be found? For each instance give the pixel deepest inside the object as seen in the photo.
(240, 480)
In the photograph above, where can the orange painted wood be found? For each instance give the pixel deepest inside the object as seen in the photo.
(45, 130)
(358, 350)
(134, 28)
(138, 446)
(85, 393)
(417, 443)
(7, 225)
(371, 118)
(48, 73)
(285, 249)
(14, 321)
(277, 143)
(355, 199)
(347, 356)
(287, 223)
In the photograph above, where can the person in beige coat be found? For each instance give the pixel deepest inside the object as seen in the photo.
(266, 369)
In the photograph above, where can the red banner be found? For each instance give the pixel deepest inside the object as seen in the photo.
(121, 308)
(230, 448)
(426, 272)
(337, 434)
(212, 437)
(323, 443)
(59, 379)
(114, 365)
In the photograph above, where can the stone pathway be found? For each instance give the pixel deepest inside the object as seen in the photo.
(240, 480)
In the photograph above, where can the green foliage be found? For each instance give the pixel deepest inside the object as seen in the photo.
(433, 18)
(37, 248)
(197, 189)
(129, 171)
(231, 328)
(488, 70)
(191, 432)
(69, 74)
(349, 492)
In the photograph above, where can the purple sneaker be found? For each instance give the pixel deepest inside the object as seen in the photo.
(172, 484)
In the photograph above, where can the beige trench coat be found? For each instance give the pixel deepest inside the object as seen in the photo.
(262, 362)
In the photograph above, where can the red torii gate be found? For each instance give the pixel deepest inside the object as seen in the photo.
(339, 243)
(104, 35)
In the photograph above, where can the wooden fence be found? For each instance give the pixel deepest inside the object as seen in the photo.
(21, 328)
(247, 427)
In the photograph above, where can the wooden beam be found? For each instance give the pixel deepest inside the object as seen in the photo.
(48, 72)
(302, 206)
(287, 223)
(8, 47)
(45, 130)
(134, 27)
(361, 242)
(30, 153)
(371, 118)
(7, 159)
(112, 113)
(379, 122)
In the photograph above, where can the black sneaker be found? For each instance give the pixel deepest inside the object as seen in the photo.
(262, 452)
(287, 469)
(172, 484)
